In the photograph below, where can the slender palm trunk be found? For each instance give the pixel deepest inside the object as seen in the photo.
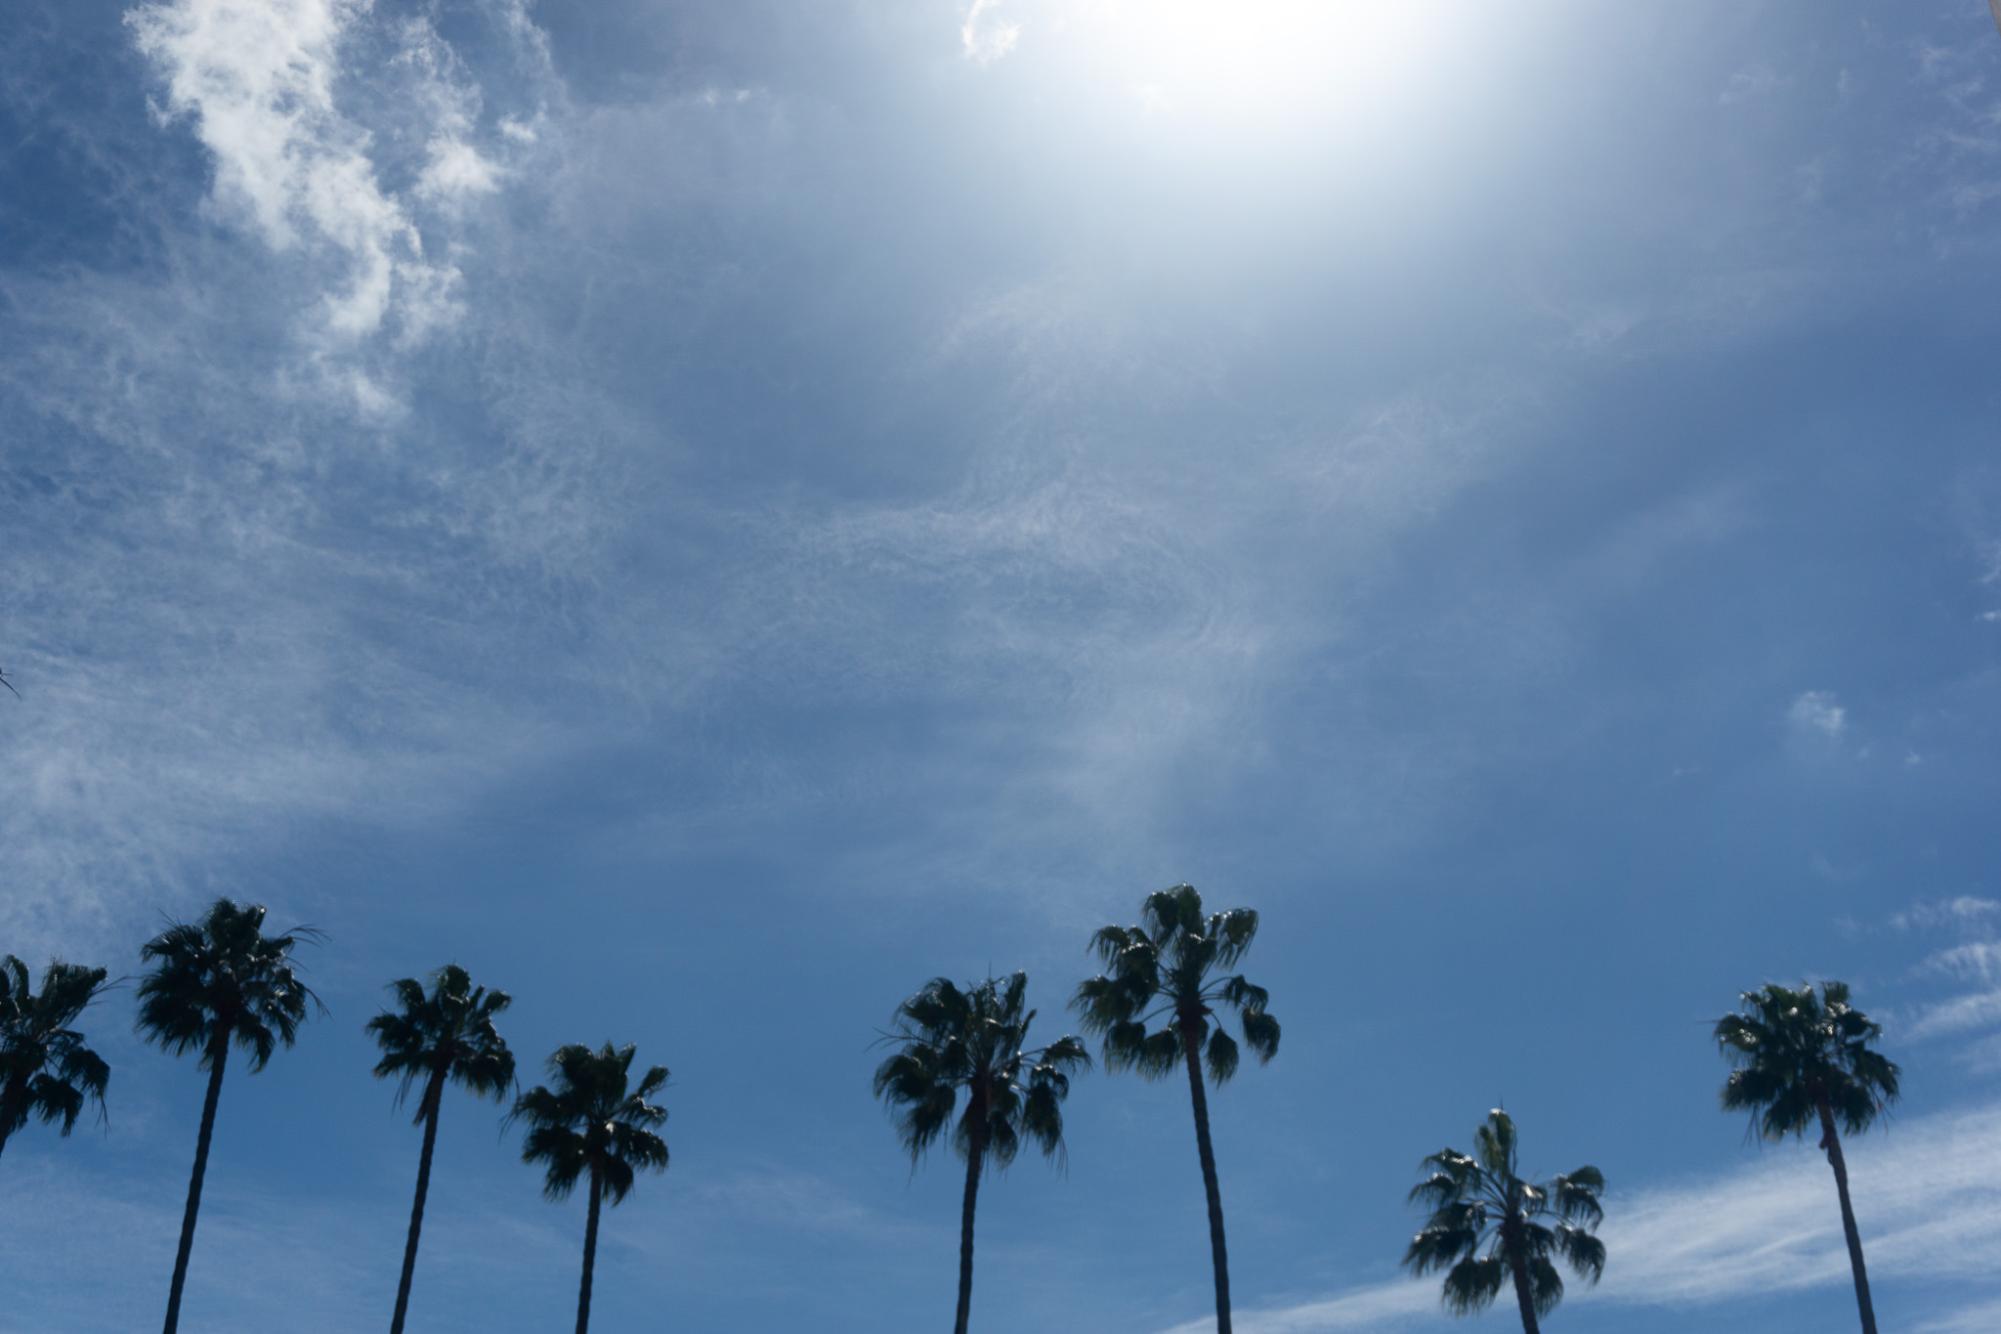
(976, 1153)
(1219, 1253)
(10, 1106)
(1831, 1142)
(433, 1097)
(590, 1253)
(218, 1057)
(1524, 1295)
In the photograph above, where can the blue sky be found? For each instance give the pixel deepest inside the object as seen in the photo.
(712, 514)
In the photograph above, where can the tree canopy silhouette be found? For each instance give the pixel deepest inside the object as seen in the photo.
(216, 983)
(973, 1041)
(594, 1124)
(1805, 1060)
(1156, 1004)
(445, 1035)
(1489, 1227)
(47, 1070)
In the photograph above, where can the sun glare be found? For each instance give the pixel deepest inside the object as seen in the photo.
(1255, 58)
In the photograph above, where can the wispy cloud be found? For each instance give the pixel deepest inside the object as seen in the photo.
(1931, 1205)
(257, 79)
(1818, 712)
(269, 88)
(1961, 912)
(1752, 82)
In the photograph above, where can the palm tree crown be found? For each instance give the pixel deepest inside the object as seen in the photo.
(1797, 1053)
(447, 1032)
(594, 1121)
(1486, 1224)
(1163, 970)
(46, 1070)
(975, 1039)
(221, 980)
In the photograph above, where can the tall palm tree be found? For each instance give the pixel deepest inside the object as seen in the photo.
(1485, 1227)
(1165, 971)
(1804, 1060)
(46, 1070)
(445, 1036)
(216, 982)
(593, 1123)
(975, 1039)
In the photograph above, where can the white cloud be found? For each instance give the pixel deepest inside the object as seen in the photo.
(1960, 913)
(1958, 1015)
(1929, 1202)
(261, 82)
(984, 38)
(1818, 711)
(1979, 959)
(257, 78)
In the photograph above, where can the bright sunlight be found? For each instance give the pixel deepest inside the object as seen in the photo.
(1254, 59)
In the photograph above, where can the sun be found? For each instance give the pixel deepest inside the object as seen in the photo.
(1255, 58)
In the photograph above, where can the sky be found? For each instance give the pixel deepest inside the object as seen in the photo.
(712, 514)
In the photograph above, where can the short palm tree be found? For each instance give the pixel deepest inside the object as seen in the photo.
(443, 1036)
(46, 1070)
(1804, 1060)
(214, 983)
(975, 1040)
(1167, 972)
(1486, 1226)
(593, 1123)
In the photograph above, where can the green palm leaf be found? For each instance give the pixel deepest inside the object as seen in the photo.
(1488, 1226)
(47, 1070)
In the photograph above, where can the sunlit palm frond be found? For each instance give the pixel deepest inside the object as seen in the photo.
(1160, 988)
(591, 1120)
(971, 1043)
(1483, 1223)
(444, 1033)
(221, 980)
(1798, 1055)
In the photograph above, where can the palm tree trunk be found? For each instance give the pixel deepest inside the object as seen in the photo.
(9, 1105)
(976, 1153)
(433, 1097)
(590, 1254)
(1219, 1253)
(1831, 1142)
(1524, 1296)
(218, 1057)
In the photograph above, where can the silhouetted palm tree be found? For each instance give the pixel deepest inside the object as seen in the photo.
(1485, 1226)
(593, 1123)
(46, 1070)
(1161, 972)
(444, 1036)
(1805, 1060)
(975, 1040)
(215, 982)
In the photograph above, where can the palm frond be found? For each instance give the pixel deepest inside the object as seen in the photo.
(1472, 1284)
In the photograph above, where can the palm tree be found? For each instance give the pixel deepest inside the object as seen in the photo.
(596, 1123)
(445, 1036)
(1161, 971)
(975, 1039)
(1480, 1203)
(46, 1070)
(1805, 1060)
(215, 982)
